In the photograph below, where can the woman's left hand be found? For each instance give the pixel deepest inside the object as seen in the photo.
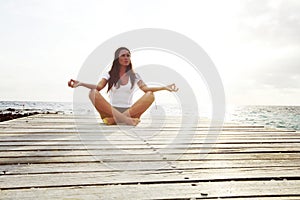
(172, 88)
(73, 83)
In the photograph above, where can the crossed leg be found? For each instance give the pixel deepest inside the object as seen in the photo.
(112, 116)
(140, 106)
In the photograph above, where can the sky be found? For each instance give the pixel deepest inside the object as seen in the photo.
(255, 45)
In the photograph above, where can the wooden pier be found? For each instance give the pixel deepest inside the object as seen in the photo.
(59, 156)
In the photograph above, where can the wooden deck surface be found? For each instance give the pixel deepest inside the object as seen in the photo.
(59, 157)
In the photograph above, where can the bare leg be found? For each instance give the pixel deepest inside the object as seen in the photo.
(140, 106)
(107, 111)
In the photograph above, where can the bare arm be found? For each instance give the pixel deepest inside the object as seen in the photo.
(145, 88)
(74, 84)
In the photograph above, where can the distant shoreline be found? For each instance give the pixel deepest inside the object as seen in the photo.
(11, 113)
(11, 116)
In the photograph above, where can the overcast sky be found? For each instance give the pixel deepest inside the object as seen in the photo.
(255, 45)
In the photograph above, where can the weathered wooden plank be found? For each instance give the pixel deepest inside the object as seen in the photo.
(209, 190)
(135, 142)
(195, 140)
(162, 133)
(127, 154)
(71, 137)
(110, 144)
(153, 157)
(271, 165)
(182, 136)
(241, 153)
(145, 123)
(99, 131)
(140, 147)
(131, 177)
(188, 152)
(94, 193)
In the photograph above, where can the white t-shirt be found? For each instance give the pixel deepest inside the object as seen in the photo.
(122, 96)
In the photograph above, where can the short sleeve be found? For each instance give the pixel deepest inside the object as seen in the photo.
(105, 75)
(137, 77)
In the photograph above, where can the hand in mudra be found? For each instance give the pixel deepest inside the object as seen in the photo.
(172, 88)
(73, 83)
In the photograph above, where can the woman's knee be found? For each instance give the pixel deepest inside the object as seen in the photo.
(150, 95)
(93, 93)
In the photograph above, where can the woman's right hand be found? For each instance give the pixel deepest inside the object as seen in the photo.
(73, 83)
(172, 88)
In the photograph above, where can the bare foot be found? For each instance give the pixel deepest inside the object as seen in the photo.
(109, 121)
(128, 121)
(132, 121)
(126, 113)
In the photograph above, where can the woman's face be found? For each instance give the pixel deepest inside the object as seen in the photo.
(124, 57)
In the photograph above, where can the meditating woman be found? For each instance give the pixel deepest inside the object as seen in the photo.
(121, 81)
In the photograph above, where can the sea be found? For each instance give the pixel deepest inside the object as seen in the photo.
(282, 117)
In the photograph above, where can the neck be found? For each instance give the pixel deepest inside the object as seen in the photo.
(123, 69)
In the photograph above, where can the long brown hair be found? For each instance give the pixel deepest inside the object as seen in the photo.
(114, 73)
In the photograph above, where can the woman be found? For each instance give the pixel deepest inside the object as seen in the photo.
(121, 81)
